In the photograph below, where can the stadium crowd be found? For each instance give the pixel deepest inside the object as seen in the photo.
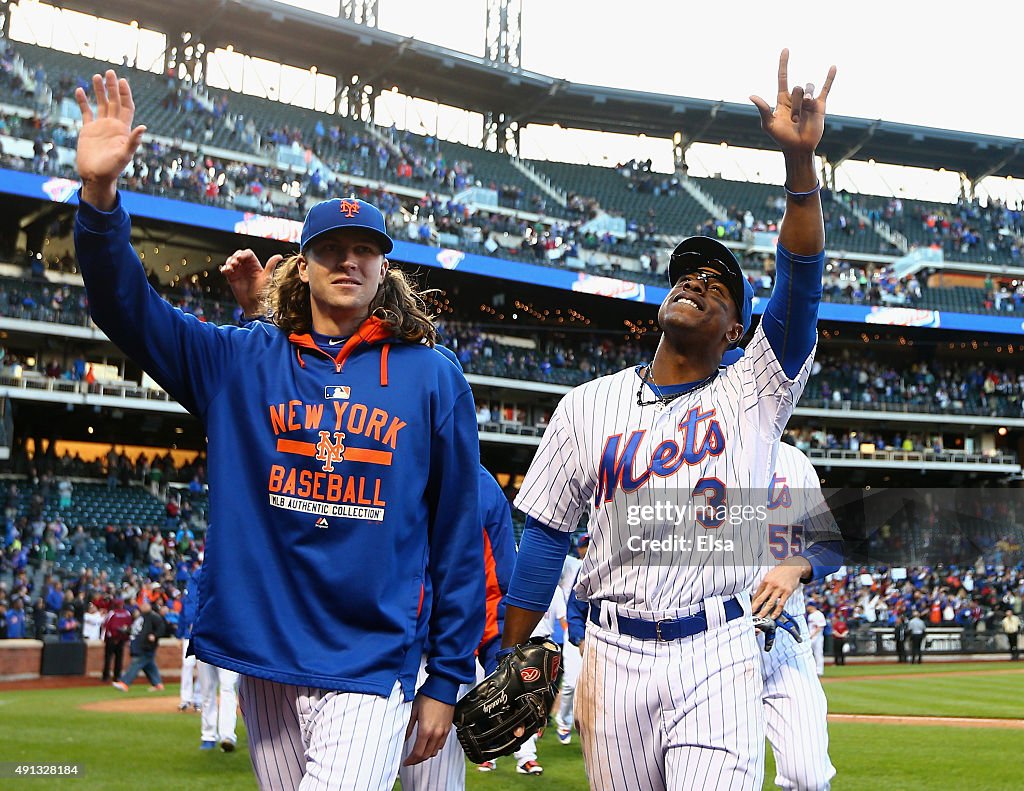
(840, 378)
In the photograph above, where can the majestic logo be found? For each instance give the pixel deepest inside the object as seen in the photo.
(322, 523)
(701, 437)
(500, 701)
(529, 674)
(337, 391)
(349, 208)
(330, 452)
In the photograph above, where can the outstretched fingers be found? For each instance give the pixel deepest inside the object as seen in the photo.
(100, 92)
(113, 94)
(828, 84)
(764, 110)
(784, 72)
(83, 105)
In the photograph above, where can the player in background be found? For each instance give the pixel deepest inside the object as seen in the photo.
(803, 540)
(816, 626)
(572, 657)
(219, 688)
(447, 769)
(189, 693)
(335, 511)
(669, 695)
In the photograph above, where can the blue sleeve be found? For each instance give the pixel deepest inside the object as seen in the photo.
(791, 317)
(456, 546)
(576, 613)
(187, 357)
(502, 540)
(825, 558)
(542, 552)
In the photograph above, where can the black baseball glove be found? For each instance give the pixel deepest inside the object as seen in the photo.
(768, 627)
(517, 695)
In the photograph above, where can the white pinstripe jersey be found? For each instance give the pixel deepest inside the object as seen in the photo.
(797, 516)
(604, 453)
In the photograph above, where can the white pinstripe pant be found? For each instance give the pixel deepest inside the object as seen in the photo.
(445, 771)
(309, 739)
(795, 713)
(668, 716)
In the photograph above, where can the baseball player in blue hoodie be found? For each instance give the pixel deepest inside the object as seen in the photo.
(338, 443)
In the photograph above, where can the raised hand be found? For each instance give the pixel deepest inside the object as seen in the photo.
(798, 121)
(107, 141)
(248, 278)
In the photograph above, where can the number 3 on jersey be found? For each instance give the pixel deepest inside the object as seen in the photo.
(712, 513)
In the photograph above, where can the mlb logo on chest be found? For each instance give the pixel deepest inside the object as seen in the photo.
(337, 392)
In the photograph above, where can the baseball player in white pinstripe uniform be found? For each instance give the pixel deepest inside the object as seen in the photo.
(661, 455)
(794, 703)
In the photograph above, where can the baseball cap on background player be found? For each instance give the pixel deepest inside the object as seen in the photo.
(702, 251)
(336, 213)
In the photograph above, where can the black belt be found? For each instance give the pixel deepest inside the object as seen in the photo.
(671, 629)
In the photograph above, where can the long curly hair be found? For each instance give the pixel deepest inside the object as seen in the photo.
(397, 302)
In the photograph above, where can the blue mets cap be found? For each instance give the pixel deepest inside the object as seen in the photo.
(703, 251)
(345, 213)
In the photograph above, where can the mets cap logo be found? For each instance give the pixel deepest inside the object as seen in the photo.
(529, 674)
(349, 208)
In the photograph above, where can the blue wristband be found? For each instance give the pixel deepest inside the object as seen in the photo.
(817, 188)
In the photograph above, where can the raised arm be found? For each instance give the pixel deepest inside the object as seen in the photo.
(796, 126)
(107, 142)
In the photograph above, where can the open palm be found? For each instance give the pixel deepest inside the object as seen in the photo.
(107, 141)
(798, 120)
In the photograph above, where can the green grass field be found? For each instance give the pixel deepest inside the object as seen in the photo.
(160, 751)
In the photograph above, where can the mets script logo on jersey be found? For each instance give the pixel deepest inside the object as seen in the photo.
(330, 452)
(701, 436)
(349, 207)
(779, 495)
(529, 674)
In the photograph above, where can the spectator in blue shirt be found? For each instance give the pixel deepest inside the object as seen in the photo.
(67, 627)
(16, 621)
(55, 597)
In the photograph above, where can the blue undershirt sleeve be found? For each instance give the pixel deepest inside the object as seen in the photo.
(542, 551)
(825, 558)
(791, 317)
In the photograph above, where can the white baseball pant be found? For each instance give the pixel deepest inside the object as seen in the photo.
(219, 718)
(445, 770)
(313, 739)
(680, 714)
(795, 714)
(572, 662)
(190, 693)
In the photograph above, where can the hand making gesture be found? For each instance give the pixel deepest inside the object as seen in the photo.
(249, 279)
(107, 141)
(799, 118)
